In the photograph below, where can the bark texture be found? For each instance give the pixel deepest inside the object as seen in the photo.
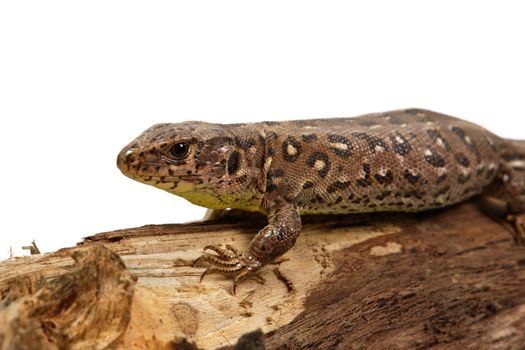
(445, 280)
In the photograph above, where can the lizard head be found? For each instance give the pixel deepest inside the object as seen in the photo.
(199, 161)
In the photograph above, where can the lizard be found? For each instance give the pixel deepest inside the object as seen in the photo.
(406, 160)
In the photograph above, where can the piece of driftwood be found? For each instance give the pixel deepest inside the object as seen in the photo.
(447, 279)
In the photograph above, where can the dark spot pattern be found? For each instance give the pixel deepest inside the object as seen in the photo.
(458, 131)
(319, 199)
(416, 194)
(233, 162)
(357, 200)
(275, 173)
(307, 185)
(309, 137)
(467, 141)
(245, 143)
(435, 159)
(321, 157)
(343, 152)
(462, 159)
(241, 179)
(270, 136)
(338, 185)
(373, 141)
(383, 195)
(365, 181)
(385, 179)
(411, 178)
(436, 136)
(270, 186)
(291, 144)
(400, 145)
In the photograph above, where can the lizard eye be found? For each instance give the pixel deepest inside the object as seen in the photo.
(180, 150)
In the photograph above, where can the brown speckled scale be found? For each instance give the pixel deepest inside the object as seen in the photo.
(405, 160)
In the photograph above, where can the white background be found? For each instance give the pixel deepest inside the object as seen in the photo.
(79, 80)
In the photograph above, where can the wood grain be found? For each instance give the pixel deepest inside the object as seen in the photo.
(446, 279)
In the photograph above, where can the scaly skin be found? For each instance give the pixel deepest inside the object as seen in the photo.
(407, 160)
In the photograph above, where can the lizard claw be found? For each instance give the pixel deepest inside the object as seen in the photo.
(228, 260)
(518, 225)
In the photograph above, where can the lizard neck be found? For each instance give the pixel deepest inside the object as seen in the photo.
(216, 200)
(235, 174)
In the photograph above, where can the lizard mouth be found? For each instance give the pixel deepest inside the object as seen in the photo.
(180, 184)
(167, 179)
(150, 171)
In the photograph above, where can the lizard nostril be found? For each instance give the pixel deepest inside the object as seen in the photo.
(126, 158)
(129, 156)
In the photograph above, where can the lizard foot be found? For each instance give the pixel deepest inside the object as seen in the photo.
(228, 260)
(518, 225)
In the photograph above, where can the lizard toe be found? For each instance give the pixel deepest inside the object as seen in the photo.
(228, 261)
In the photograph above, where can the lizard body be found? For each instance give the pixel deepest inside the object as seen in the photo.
(405, 160)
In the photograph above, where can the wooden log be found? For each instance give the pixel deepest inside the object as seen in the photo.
(451, 278)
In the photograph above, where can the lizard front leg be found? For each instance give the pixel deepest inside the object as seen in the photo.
(284, 226)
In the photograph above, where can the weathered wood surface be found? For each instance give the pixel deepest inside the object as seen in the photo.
(448, 279)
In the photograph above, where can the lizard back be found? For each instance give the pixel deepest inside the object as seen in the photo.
(407, 160)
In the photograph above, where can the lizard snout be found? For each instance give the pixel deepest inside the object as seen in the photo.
(127, 159)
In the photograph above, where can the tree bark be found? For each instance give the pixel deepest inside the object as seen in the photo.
(445, 279)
